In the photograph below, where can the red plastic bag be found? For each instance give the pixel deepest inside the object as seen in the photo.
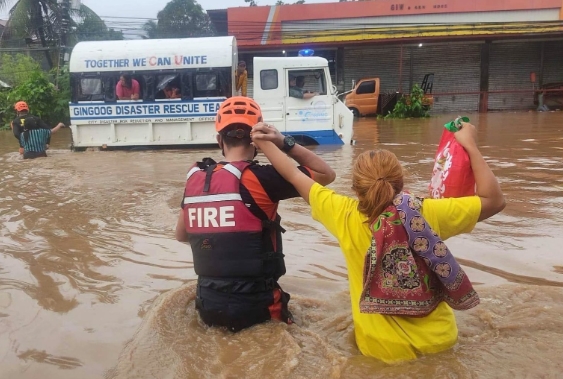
(452, 175)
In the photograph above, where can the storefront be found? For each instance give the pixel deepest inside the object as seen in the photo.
(482, 59)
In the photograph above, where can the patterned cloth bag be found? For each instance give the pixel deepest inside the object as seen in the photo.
(408, 269)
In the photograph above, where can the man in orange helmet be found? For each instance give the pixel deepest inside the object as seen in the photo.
(33, 134)
(229, 217)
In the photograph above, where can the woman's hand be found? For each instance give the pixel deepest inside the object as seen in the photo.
(266, 132)
(488, 188)
(467, 136)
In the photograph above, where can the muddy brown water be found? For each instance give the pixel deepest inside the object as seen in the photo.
(93, 284)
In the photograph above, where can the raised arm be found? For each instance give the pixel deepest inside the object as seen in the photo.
(322, 172)
(285, 167)
(488, 188)
(58, 127)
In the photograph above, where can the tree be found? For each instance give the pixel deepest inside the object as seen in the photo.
(180, 19)
(15, 69)
(40, 19)
(151, 29)
(34, 86)
(251, 3)
(94, 29)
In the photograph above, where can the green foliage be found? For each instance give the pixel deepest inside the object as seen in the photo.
(40, 93)
(251, 3)
(410, 106)
(180, 19)
(281, 2)
(37, 91)
(43, 20)
(15, 69)
(60, 112)
(151, 29)
(92, 28)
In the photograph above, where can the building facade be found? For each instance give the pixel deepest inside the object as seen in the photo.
(485, 55)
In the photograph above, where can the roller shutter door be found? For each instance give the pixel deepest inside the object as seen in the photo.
(553, 62)
(456, 68)
(510, 68)
(376, 61)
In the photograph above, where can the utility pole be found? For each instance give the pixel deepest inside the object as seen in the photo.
(65, 28)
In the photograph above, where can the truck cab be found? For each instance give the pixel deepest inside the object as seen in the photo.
(366, 98)
(363, 98)
(297, 96)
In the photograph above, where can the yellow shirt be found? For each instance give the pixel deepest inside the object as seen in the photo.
(241, 82)
(392, 338)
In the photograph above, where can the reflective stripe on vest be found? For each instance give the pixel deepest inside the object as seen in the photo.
(220, 210)
(212, 198)
(229, 167)
(227, 239)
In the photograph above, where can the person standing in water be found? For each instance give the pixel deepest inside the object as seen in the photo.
(403, 279)
(229, 217)
(33, 134)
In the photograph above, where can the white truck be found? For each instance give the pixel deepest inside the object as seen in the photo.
(182, 83)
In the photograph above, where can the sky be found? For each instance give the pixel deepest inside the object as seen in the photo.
(149, 8)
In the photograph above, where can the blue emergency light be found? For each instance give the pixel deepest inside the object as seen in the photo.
(306, 53)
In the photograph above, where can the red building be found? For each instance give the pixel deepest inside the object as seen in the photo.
(484, 54)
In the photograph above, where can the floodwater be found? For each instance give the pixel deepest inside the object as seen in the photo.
(93, 284)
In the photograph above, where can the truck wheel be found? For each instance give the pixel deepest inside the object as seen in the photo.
(355, 112)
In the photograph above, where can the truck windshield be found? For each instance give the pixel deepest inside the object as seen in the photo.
(311, 80)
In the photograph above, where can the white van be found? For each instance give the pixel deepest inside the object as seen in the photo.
(202, 72)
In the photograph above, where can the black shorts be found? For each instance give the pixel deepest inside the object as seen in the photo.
(238, 311)
(34, 154)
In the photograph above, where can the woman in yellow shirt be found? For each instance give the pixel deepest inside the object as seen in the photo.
(377, 179)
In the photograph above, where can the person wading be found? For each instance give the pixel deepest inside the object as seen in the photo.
(403, 279)
(229, 217)
(33, 134)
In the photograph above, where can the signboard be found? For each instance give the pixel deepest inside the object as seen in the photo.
(163, 62)
(140, 112)
(157, 54)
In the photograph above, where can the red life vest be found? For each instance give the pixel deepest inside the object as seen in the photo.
(227, 239)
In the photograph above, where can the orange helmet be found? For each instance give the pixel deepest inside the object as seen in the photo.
(238, 110)
(21, 106)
